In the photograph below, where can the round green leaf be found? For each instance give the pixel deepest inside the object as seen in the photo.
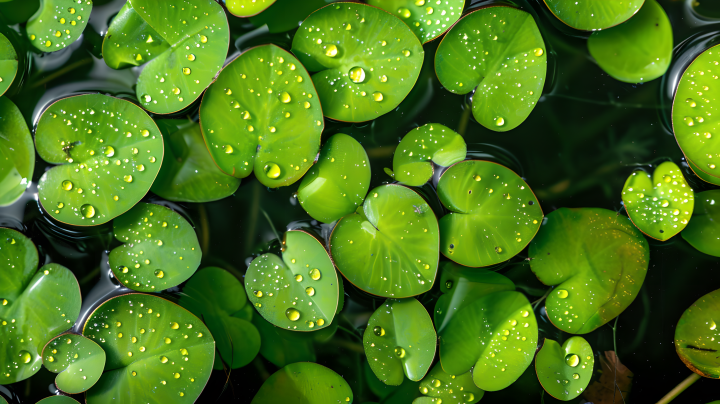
(593, 15)
(247, 8)
(400, 337)
(8, 64)
(499, 53)
(157, 352)
(388, 247)
(78, 361)
(426, 18)
(184, 46)
(697, 336)
(299, 291)
(661, 205)
(702, 174)
(702, 232)
(58, 23)
(493, 213)
(304, 382)
(282, 347)
(418, 150)
(160, 249)
(565, 371)
(35, 305)
(358, 80)
(338, 183)
(450, 389)
(495, 336)
(58, 400)
(17, 153)
(571, 249)
(188, 172)
(110, 152)
(263, 114)
(214, 295)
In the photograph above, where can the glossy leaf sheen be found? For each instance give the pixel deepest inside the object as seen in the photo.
(703, 232)
(8, 64)
(78, 360)
(697, 336)
(58, 23)
(17, 153)
(451, 389)
(591, 15)
(418, 150)
(304, 382)
(565, 371)
(428, 19)
(247, 8)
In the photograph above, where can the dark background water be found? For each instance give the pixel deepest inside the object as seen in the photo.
(586, 135)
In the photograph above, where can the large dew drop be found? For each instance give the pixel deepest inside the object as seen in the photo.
(272, 170)
(562, 293)
(379, 331)
(357, 74)
(87, 210)
(399, 352)
(292, 314)
(572, 360)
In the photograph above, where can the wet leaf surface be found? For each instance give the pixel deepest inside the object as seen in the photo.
(247, 8)
(58, 23)
(17, 153)
(426, 18)
(8, 63)
(418, 150)
(304, 382)
(451, 389)
(592, 15)
(703, 232)
(78, 360)
(697, 337)
(565, 371)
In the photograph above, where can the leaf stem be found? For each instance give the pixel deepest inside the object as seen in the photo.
(277, 235)
(679, 388)
(538, 301)
(349, 332)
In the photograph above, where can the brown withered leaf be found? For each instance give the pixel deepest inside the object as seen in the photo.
(614, 383)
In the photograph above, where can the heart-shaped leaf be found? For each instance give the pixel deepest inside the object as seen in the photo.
(565, 371)
(157, 352)
(58, 23)
(571, 249)
(110, 152)
(188, 172)
(418, 150)
(286, 15)
(299, 291)
(160, 249)
(8, 63)
(388, 246)
(499, 53)
(263, 114)
(426, 18)
(78, 360)
(17, 153)
(638, 50)
(184, 46)
(338, 183)
(493, 213)
(358, 80)
(661, 205)
(495, 336)
(35, 305)
(697, 336)
(400, 337)
(247, 8)
(214, 295)
(451, 389)
(304, 382)
(702, 232)
(593, 15)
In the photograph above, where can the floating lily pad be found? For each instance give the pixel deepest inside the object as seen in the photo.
(286, 15)
(661, 205)
(499, 53)
(493, 213)
(702, 232)
(299, 291)
(263, 114)
(571, 249)
(495, 336)
(58, 23)
(184, 46)
(451, 389)
(697, 336)
(702, 174)
(160, 249)
(418, 150)
(8, 64)
(17, 153)
(304, 382)
(188, 172)
(388, 247)
(247, 8)
(592, 15)
(358, 80)
(157, 352)
(110, 152)
(338, 183)
(78, 360)
(565, 371)
(426, 18)
(216, 296)
(400, 337)
(36, 305)
(58, 400)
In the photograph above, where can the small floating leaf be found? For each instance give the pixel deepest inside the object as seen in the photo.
(314, 383)
(8, 64)
(702, 232)
(427, 19)
(247, 8)
(592, 15)
(451, 389)
(427, 144)
(17, 151)
(58, 23)
(565, 371)
(697, 336)
(78, 360)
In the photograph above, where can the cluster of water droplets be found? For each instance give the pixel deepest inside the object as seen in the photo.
(430, 17)
(575, 362)
(449, 387)
(668, 202)
(58, 26)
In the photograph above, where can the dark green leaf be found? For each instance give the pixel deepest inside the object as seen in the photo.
(17, 153)
(283, 347)
(565, 371)
(286, 15)
(426, 18)
(78, 360)
(307, 383)
(592, 15)
(247, 8)
(697, 336)
(58, 400)
(418, 150)
(58, 23)
(8, 63)
(703, 232)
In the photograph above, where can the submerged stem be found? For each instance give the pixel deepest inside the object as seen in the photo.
(679, 388)
(277, 235)
(538, 301)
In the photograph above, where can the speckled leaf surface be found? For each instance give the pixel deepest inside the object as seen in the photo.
(572, 248)
(428, 19)
(565, 371)
(247, 8)
(592, 15)
(703, 232)
(58, 23)
(109, 152)
(420, 148)
(299, 291)
(78, 360)
(17, 153)
(337, 184)
(8, 64)
(697, 336)
(304, 382)
(495, 336)
(388, 247)
(400, 341)
(498, 52)
(493, 213)
(183, 43)
(160, 249)
(451, 389)
(157, 352)
(263, 114)
(358, 80)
